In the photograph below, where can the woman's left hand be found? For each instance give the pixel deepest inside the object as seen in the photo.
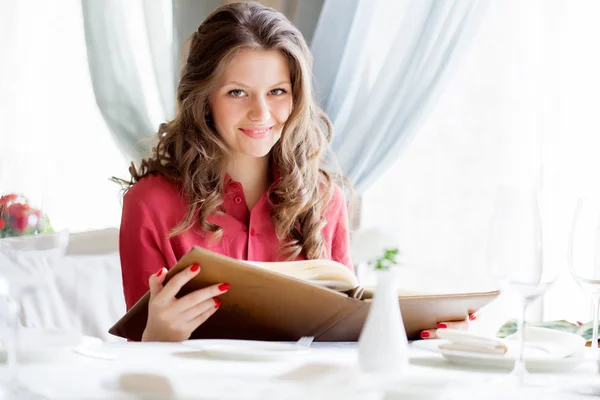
(462, 325)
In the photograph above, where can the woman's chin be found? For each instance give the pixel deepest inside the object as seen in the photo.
(258, 153)
(258, 150)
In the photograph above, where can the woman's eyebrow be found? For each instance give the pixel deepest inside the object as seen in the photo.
(245, 85)
(283, 83)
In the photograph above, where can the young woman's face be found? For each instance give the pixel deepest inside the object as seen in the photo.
(253, 101)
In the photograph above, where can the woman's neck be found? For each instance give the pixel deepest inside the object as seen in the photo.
(253, 173)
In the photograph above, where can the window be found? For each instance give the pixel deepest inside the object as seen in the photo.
(54, 145)
(522, 105)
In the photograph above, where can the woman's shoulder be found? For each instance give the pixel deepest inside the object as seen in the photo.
(338, 196)
(337, 199)
(153, 189)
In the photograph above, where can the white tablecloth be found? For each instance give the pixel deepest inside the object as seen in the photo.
(327, 371)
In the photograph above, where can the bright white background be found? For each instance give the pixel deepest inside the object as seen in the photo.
(54, 145)
(522, 106)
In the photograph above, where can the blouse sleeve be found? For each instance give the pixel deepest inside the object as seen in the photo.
(139, 248)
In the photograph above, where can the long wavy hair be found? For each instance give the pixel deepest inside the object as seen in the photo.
(191, 153)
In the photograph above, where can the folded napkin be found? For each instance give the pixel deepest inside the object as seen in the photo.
(468, 341)
(539, 343)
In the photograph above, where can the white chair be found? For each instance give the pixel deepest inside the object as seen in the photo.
(82, 290)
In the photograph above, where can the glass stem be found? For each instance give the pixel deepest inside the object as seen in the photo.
(594, 344)
(520, 370)
(12, 349)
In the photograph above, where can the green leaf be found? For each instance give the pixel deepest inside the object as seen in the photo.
(388, 259)
(511, 326)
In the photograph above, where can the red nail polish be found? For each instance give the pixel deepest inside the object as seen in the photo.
(195, 268)
(424, 335)
(217, 302)
(472, 317)
(224, 286)
(442, 326)
(159, 273)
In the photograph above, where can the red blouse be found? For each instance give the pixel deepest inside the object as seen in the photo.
(154, 206)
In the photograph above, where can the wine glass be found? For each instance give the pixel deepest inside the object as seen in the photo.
(584, 256)
(515, 262)
(516, 256)
(16, 285)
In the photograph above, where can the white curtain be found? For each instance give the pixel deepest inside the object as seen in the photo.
(131, 62)
(54, 146)
(379, 68)
(522, 106)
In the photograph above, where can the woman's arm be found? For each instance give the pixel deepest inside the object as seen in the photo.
(143, 263)
(139, 248)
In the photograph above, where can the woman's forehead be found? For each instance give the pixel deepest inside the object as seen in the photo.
(256, 68)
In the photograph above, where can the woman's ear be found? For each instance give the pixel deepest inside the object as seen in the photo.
(208, 116)
(209, 121)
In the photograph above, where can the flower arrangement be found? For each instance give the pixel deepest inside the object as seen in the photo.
(18, 218)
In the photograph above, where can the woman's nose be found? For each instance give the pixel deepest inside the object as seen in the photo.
(259, 110)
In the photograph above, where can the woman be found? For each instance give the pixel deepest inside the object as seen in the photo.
(237, 171)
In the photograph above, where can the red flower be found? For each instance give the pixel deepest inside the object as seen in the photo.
(18, 216)
(7, 198)
(20, 223)
(16, 209)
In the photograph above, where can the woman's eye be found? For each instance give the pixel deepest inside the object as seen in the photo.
(278, 92)
(236, 93)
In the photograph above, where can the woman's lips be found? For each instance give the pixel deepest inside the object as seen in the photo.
(257, 133)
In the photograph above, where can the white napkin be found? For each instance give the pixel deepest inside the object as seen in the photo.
(468, 341)
(539, 342)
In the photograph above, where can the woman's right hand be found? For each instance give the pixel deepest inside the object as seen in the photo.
(171, 319)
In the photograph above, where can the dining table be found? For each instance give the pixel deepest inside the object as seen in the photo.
(325, 370)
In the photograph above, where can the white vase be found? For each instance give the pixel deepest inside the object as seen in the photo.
(383, 346)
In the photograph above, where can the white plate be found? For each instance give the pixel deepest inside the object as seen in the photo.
(538, 364)
(36, 344)
(250, 350)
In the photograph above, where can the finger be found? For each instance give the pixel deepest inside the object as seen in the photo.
(198, 296)
(432, 333)
(460, 325)
(155, 282)
(173, 287)
(428, 334)
(191, 313)
(200, 319)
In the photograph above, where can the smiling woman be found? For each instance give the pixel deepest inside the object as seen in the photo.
(238, 170)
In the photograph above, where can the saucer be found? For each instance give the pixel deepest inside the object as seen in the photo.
(39, 344)
(246, 350)
(494, 361)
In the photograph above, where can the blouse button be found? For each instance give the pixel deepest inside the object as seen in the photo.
(238, 200)
(252, 232)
